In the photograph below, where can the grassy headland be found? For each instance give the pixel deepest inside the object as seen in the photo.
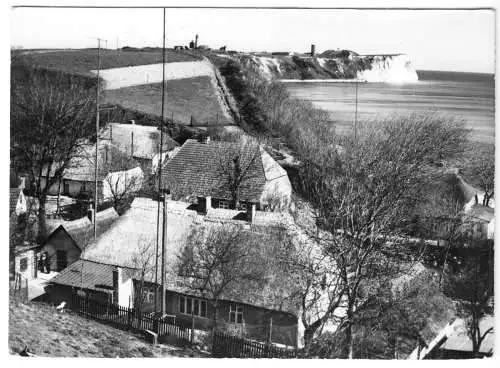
(82, 61)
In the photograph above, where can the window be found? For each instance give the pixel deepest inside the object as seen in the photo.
(224, 204)
(235, 313)
(23, 264)
(242, 206)
(197, 307)
(66, 187)
(83, 187)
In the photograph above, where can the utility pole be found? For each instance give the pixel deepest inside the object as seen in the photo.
(163, 255)
(97, 136)
(356, 114)
(160, 150)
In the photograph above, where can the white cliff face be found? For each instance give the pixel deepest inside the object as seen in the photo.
(390, 69)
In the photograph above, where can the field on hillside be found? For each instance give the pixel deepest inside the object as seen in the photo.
(85, 60)
(195, 97)
(50, 333)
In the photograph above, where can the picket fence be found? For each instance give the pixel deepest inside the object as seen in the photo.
(131, 319)
(228, 346)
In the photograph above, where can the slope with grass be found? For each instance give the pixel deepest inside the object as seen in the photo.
(49, 333)
(196, 97)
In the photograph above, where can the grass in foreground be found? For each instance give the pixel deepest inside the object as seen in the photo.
(47, 332)
(185, 97)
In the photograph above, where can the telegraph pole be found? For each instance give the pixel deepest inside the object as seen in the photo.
(97, 136)
(356, 114)
(160, 150)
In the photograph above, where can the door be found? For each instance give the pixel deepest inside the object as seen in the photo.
(62, 260)
(66, 187)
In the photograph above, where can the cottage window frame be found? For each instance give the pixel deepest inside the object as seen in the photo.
(23, 264)
(223, 204)
(202, 304)
(236, 314)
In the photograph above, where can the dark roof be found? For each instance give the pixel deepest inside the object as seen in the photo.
(203, 169)
(96, 276)
(14, 198)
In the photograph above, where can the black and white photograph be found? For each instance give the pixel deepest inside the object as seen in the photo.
(250, 181)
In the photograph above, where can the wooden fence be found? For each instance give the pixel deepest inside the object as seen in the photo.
(228, 346)
(131, 319)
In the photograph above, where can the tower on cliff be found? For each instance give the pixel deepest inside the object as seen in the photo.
(313, 49)
(196, 42)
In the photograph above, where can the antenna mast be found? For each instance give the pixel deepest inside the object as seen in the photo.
(163, 95)
(97, 136)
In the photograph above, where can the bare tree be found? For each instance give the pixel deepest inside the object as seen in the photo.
(480, 170)
(472, 287)
(143, 262)
(237, 164)
(51, 114)
(122, 184)
(364, 194)
(218, 260)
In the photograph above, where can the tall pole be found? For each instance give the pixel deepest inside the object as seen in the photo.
(97, 137)
(163, 255)
(160, 150)
(356, 115)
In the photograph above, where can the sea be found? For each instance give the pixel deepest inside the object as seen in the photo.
(466, 96)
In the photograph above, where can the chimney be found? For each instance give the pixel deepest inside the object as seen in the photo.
(131, 144)
(22, 182)
(117, 276)
(91, 214)
(251, 212)
(204, 203)
(196, 42)
(313, 50)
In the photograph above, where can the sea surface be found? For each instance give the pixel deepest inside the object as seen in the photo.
(467, 96)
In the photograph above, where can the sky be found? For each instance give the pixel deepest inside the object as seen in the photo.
(455, 40)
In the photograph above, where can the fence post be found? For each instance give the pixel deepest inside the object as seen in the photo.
(192, 329)
(27, 293)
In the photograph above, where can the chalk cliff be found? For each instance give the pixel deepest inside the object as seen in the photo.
(343, 64)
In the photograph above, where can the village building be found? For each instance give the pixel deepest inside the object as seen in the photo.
(245, 308)
(479, 222)
(68, 239)
(141, 142)
(209, 168)
(453, 342)
(117, 173)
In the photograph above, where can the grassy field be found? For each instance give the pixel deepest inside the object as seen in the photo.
(84, 60)
(185, 97)
(49, 333)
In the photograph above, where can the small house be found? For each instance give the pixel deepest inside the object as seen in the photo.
(69, 238)
(209, 168)
(117, 173)
(141, 142)
(480, 222)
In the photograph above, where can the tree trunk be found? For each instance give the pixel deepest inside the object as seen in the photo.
(58, 195)
(349, 346)
(42, 227)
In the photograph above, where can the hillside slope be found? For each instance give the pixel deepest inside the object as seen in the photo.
(49, 333)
